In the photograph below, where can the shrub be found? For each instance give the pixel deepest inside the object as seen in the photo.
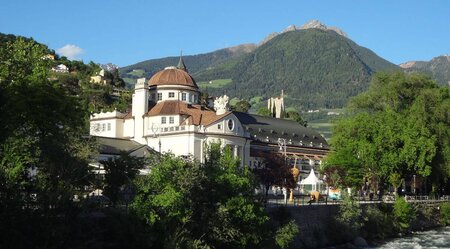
(350, 215)
(404, 214)
(378, 224)
(445, 213)
(286, 234)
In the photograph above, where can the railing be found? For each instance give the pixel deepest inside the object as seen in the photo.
(305, 200)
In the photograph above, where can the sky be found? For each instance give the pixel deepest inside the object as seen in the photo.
(125, 32)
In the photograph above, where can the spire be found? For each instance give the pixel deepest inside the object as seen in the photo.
(181, 64)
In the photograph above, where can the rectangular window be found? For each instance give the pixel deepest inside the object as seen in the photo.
(159, 96)
(183, 96)
(109, 126)
(103, 127)
(171, 95)
(219, 126)
(171, 120)
(163, 120)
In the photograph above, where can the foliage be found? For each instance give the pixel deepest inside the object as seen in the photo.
(43, 158)
(274, 171)
(286, 234)
(316, 68)
(343, 169)
(445, 213)
(378, 223)
(394, 129)
(241, 106)
(119, 174)
(210, 204)
(350, 214)
(195, 63)
(294, 115)
(263, 111)
(396, 181)
(404, 213)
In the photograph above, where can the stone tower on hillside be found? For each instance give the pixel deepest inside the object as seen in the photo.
(276, 106)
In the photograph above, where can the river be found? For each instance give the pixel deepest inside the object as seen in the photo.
(439, 238)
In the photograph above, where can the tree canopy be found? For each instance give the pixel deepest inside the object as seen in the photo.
(400, 125)
(210, 204)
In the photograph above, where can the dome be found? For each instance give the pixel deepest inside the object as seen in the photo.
(172, 76)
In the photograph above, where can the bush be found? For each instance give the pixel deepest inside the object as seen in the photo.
(378, 224)
(404, 214)
(350, 215)
(286, 234)
(445, 213)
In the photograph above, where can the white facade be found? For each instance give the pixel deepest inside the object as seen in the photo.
(174, 132)
(166, 116)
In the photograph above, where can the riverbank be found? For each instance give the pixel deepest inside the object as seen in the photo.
(320, 228)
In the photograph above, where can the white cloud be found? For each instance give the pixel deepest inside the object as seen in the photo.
(70, 51)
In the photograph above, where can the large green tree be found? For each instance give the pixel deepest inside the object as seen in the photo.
(190, 204)
(43, 158)
(400, 125)
(119, 174)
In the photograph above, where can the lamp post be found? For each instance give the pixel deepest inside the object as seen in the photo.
(294, 171)
(156, 133)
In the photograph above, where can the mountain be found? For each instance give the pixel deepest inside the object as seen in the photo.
(195, 62)
(438, 68)
(313, 24)
(316, 68)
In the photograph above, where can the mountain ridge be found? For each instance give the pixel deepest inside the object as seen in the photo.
(437, 68)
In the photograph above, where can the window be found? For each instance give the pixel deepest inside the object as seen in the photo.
(230, 124)
(103, 127)
(171, 120)
(163, 120)
(159, 96)
(219, 126)
(109, 126)
(183, 96)
(171, 95)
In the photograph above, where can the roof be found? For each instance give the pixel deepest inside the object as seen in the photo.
(198, 115)
(268, 129)
(113, 146)
(172, 76)
(181, 64)
(311, 179)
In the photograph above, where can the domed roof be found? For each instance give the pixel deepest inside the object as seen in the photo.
(172, 76)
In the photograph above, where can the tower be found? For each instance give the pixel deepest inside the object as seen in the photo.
(276, 106)
(139, 108)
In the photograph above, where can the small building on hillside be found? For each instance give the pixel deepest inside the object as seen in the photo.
(61, 68)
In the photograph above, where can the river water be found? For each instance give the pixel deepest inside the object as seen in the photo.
(439, 238)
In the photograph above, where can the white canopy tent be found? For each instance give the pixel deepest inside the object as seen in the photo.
(311, 182)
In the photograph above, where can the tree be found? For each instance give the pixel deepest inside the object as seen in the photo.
(120, 172)
(241, 106)
(43, 156)
(210, 204)
(404, 214)
(393, 129)
(294, 115)
(264, 112)
(274, 171)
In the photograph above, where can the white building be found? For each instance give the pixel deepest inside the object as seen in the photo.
(166, 116)
(61, 68)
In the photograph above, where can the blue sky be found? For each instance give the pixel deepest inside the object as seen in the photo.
(126, 32)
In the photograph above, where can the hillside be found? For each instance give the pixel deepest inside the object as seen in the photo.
(195, 62)
(438, 68)
(316, 68)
